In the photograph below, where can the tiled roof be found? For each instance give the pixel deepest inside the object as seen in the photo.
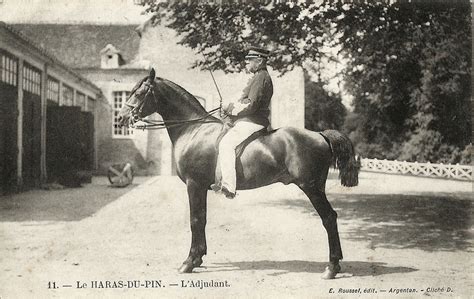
(21, 37)
(79, 45)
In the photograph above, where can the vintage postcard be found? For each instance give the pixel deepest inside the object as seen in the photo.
(235, 149)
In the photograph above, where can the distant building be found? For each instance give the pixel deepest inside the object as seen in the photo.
(106, 55)
(37, 92)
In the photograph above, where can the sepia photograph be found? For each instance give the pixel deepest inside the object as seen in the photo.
(236, 149)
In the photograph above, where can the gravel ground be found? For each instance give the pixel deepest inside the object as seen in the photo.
(398, 233)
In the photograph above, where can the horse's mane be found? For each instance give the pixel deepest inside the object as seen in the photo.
(183, 93)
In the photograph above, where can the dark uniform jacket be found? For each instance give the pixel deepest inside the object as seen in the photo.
(257, 94)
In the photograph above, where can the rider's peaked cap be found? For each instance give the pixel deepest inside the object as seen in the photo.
(255, 52)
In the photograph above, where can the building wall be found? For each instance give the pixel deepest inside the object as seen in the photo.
(8, 131)
(287, 107)
(143, 148)
(27, 54)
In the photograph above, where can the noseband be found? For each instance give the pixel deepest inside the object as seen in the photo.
(138, 108)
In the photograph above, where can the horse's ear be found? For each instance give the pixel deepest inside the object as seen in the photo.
(151, 76)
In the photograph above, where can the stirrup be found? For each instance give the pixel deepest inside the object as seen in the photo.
(216, 187)
(227, 193)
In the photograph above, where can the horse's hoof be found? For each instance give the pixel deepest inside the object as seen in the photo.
(185, 268)
(331, 271)
(197, 262)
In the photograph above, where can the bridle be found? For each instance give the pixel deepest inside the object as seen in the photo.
(138, 108)
(147, 124)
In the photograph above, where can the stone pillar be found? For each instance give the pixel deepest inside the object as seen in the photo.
(19, 164)
(472, 80)
(44, 101)
(74, 96)
(61, 91)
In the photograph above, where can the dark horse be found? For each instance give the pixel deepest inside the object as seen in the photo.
(287, 155)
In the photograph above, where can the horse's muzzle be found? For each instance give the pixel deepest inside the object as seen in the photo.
(120, 121)
(123, 120)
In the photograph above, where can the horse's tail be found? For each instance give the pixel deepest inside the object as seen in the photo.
(343, 157)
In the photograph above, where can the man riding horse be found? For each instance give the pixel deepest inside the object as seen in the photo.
(287, 155)
(249, 115)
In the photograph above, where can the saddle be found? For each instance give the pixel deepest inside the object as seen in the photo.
(240, 148)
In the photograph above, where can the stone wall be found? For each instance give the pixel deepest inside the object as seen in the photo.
(287, 108)
(143, 150)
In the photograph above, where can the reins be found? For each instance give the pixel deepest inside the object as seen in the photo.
(161, 124)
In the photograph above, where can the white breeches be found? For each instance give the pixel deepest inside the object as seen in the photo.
(229, 142)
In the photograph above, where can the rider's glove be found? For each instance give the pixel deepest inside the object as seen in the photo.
(229, 108)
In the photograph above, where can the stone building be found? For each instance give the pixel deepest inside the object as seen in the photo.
(41, 100)
(105, 55)
(115, 51)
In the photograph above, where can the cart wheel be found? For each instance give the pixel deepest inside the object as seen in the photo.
(120, 175)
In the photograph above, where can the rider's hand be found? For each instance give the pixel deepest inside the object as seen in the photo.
(229, 108)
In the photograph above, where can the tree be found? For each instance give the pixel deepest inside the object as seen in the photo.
(323, 110)
(222, 33)
(409, 64)
(409, 72)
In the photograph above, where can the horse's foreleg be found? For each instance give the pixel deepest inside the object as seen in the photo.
(198, 209)
(329, 219)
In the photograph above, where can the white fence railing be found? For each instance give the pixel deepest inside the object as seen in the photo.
(459, 172)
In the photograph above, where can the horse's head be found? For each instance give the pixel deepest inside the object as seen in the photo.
(141, 101)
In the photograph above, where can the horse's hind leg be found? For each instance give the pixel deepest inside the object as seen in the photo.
(198, 213)
(329, 219)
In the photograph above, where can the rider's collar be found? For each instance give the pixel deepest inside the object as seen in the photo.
(261, 68)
